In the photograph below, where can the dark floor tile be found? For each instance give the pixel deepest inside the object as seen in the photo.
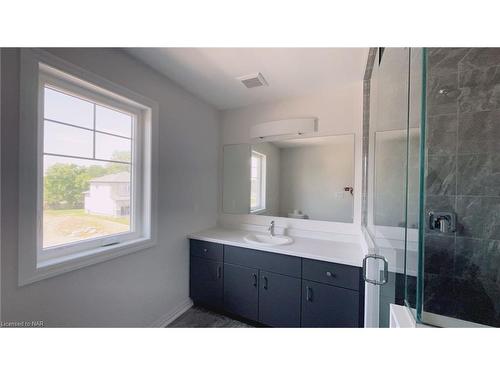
(480, 58)
(478, 174)
(442, 134)
(480, 89)
(441, 175)
(479, 132)
(198, 317)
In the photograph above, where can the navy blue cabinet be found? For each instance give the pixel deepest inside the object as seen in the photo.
(241, 291)
(329, 306)
(276, 290)
(206, 250)
(279, 300)
(206, 282)
(277, 263)
(331, 273)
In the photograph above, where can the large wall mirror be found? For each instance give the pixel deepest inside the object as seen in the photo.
(304, 178)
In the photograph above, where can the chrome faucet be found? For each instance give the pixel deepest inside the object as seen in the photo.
(271, 228)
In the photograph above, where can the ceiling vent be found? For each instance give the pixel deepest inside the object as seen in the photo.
(253, 80)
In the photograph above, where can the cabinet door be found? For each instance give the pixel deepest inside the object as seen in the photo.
(205, 282)
(241, 291)
(279, 300)
(329, 306)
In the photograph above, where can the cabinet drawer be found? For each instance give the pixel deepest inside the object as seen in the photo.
(207, 250)
(331, 273)
(277, 263)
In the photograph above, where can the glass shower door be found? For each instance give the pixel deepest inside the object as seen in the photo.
(393, 173)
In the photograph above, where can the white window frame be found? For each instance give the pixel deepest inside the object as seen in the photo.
(263, 173)
(38, 69)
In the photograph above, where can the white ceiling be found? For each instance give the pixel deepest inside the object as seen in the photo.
(210, 73)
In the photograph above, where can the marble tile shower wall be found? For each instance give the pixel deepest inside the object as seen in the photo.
(462, 269)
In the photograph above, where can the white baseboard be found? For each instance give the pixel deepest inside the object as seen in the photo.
(168, 318)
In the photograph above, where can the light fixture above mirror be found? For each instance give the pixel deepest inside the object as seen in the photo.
(283, 128)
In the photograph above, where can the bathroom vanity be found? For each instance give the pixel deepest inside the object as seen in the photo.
(314, 280)
(308, 283)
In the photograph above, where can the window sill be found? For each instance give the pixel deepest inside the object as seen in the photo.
(57, 266)
(259, 211)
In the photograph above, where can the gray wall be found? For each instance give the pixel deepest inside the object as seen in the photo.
(140, 288)
(235, 179)
(463, 176)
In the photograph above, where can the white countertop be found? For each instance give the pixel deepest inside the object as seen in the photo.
(349, 253)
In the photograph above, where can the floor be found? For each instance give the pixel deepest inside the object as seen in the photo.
(197, 317)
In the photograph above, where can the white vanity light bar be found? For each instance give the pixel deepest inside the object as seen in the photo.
(284, 127)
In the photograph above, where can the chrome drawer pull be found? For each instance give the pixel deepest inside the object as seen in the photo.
(309, 294)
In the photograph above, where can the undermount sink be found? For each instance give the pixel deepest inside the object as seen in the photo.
(266, 239)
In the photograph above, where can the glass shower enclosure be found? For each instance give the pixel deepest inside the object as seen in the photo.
(432, 184)
(391, 153)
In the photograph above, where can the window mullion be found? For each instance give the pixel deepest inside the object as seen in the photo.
(94, 131)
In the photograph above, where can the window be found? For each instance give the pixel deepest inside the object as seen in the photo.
(87, 168)
(93, 189)
(257, 182)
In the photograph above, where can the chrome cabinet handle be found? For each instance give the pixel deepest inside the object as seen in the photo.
(386, 269)
(254, 279)
(309, 294)
(329, 274)
(205, 250)
(219, 272)
(265, 283)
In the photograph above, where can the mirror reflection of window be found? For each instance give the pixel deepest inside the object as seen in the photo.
(257, 182)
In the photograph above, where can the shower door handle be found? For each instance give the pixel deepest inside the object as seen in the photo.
(386, 269)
